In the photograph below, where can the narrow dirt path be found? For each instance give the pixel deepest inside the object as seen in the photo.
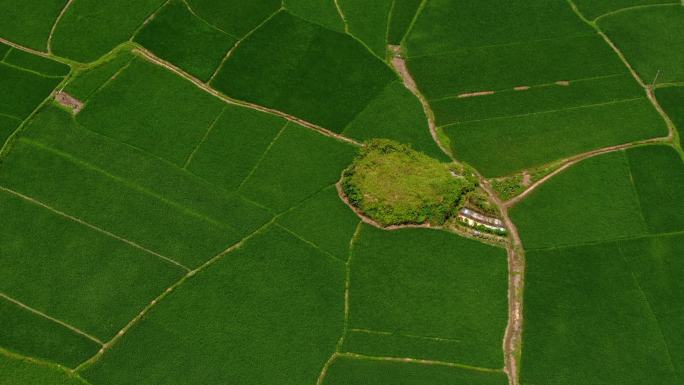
(26, 49)
(568, 162)
(54, 25)
(399, 64)
(647, 88)
(516, 281)
(514, 249)
(149, 56)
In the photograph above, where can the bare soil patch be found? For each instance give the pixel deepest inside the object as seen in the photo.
(69, 102)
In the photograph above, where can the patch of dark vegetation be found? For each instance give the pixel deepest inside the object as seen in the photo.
(509, 187)
(393, 184)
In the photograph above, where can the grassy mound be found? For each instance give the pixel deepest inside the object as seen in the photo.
(394, 184)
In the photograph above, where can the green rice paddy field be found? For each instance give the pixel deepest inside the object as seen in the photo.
(170, 210)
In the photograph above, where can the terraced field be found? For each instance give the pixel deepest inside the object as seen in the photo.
(171, 209)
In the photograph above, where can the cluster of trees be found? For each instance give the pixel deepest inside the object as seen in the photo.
(394, 184)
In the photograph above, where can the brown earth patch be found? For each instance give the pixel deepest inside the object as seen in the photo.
(68, 101)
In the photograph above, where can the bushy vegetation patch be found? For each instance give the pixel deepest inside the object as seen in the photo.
(511, 186)
(394, 184)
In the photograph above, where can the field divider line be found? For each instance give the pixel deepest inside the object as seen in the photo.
(410, 360)
(104, 85)
(326, 366)
(6, 54)
(389, 22)
(204, 139)
(205, 21)
(40, 362)
(627, 9)
(53, 319)
(609, 240)
(84, 164)
(650, 310)
(31, 71)
(635, 193)
(262, 157)
(10, 117)
(54, 25)
(147, 20)
(345, 324)
(511, 44)
(415, 336)
(149, 56)
(240, 40)
(227, 194)
(108, 345)
(308, 242)
(347, 285)
(415, 17)
(546, 112)
(93, 227)
(342, 16)
(648, 89)
(5, 146)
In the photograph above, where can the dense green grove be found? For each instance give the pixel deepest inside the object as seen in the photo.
(394, 184)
